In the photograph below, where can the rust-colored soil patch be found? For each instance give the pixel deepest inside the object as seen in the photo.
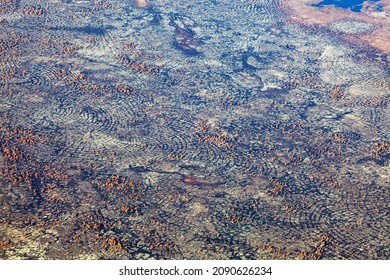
(302, 12)
(142, 3)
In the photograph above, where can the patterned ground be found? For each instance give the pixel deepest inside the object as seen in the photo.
(181, 130)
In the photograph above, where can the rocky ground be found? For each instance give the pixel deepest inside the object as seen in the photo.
(192, 130)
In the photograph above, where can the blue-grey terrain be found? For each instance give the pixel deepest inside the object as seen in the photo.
(189, 130)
